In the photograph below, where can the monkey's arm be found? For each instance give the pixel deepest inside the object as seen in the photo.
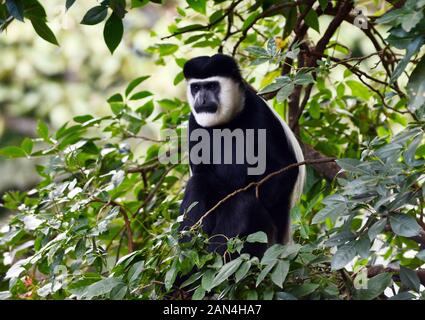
(240, 215)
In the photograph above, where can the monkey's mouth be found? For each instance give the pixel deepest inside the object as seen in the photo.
(207, 108)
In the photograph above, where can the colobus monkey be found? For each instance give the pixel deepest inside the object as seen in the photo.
(221, 100)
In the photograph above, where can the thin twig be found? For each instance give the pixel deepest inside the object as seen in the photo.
(209, 25)
(123, 212)
(257, 184)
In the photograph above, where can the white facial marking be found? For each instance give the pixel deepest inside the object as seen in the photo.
(231, 102)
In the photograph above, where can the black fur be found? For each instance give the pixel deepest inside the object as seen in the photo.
(217, 65)
(243, 214)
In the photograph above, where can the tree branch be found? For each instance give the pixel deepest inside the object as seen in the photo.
(123, 212)
(378, 269)
(209, 25)
(258, 184)
(271, 11)
(328, 170)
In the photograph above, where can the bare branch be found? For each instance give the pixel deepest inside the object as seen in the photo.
(258, 184)
(209, 25)
(378, 269)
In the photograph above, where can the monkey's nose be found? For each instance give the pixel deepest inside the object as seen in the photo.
(207, 107)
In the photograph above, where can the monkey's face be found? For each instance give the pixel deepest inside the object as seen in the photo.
(215, 100)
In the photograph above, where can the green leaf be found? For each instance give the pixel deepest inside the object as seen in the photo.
(272, 87)
(166, 49)
(178, 78)
(198, 5)
(243, 270)
(95, 15)
(304, 289)
(80, 248)
(12, 152)
(404, 225)
(312, 20)
(290, 21)
(376, 228)
(207, 280)
(285, 92)
(113, 32)
(115, 98)
(389, 151)
(271, 255)
(146, 110)
(226, 271)
(101, 287)
(403, 296)
(290, 250)
(44, 31)
(249, 20)
(410, 20)
(4, 295)
(252, 295)
(34, 10)
(280, 272)
(285, 296)
(167, 104)
(388, 17)
(118, 292)
(138, 3)
(375, 286)
(259, 236)
(15, 9)
(257, 51)
(359, 90)
(410, 278)
(412, 48)
(217, 15)
(344, 255)
(140, 95)
(332, 211)
(83, 118)
(27, 145)
(117, 107)
(199, 293)
(42, 130)
(416, 87)
(303, 78)
(352, 166)
(190, 28)
(133, 84)
(421, 255)
(314, 109)
(69, 4)
(363, 246)
(135, 271)
(264, 273)
(409, 154)
(323, 4)
(170, 276)
(194, 277)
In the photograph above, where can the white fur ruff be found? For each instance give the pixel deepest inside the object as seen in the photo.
(299, 156)
(231, 102)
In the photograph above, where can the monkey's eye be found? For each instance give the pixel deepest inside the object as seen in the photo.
(195, 87)
(212, 85)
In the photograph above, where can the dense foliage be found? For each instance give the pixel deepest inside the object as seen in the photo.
(102, 221)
